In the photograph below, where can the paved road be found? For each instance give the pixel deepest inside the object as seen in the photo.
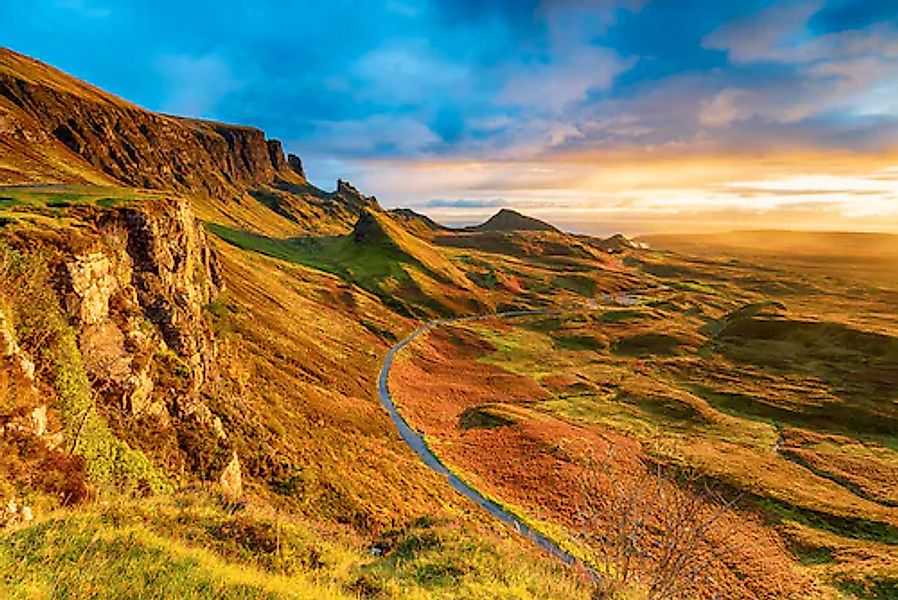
(417, 443)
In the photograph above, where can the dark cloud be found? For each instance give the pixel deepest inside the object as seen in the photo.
(853, 14)
(492, 79)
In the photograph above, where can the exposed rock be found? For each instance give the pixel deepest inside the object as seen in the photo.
(218, 428)
(39, 421)
(366, 228)
(139, 294)
(296, 164)
(231, 481)
(124, 142)
(351, 195)
(276, 154)
(10, 350)
(92, 284)
(139, 396)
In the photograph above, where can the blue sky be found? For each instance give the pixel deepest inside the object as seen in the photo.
(638, 111)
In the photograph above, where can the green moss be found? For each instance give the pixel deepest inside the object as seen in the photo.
(109, 460)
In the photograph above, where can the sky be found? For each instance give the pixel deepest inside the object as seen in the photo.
(598, 115)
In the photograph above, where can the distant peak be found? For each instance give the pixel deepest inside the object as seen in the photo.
(507, 219)
(351, 194)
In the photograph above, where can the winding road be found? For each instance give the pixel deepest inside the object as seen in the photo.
(416, 441)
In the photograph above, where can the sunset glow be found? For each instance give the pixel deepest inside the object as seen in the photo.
(591, 112)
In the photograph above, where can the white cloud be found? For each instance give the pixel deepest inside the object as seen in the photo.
(408, 72)
(723, 109)
(567, 80)
(403, 134)
(780, 34)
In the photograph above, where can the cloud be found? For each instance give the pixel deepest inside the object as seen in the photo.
(409, 71)
(380, 133)
(466, 203)
(552, 86)
(722, 109)
(782, 33)
(770, 35)
(197, 84)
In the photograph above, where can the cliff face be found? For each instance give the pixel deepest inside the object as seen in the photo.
(136, 295)
(111, 138)
(107, 348)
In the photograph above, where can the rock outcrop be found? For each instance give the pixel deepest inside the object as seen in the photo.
(137, 296)
(296, 164)
(105, 136)
(276, 155)
(349, 194)
(231, 481)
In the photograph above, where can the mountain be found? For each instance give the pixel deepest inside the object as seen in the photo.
(190, 337)
(510, 220)
(420, 225)
(90, 135)
(57, 129)
(615, 244)
(196, 344)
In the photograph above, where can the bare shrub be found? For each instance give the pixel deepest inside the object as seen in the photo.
(649, 529)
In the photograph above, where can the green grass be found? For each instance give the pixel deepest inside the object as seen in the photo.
(648, 344)
(85, 556)
(189, 547)
(37, 314)
(857, 528)
(109, 460)
(403, 271)
(63, 196)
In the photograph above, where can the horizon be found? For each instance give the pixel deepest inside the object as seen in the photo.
(767, 115)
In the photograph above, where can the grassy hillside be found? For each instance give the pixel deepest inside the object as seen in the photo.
(776, 381)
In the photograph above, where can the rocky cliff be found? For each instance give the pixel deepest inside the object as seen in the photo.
(55, 119)
(136, 293)
(107, 323)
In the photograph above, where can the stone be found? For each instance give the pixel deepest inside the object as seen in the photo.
(231, 481)
(93, 283)
(276, 154)
(352, 196)
(38, 419)
(140, 397)
(296, 164)
(27, 515)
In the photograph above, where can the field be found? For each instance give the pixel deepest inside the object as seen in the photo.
(773, 377)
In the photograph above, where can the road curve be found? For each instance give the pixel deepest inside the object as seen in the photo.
(416, 441)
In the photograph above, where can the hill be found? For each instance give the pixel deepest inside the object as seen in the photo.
(192, 338)
(212, 406)
(60, 130)
(421, 225)
(509, 220)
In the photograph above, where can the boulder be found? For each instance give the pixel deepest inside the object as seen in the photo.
(231, 481)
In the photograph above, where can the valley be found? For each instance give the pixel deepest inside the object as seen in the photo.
(219, 380)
